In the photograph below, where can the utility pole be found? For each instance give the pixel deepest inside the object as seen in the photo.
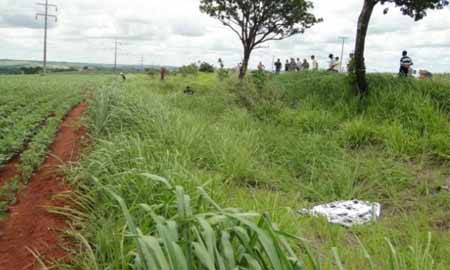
(46, 5)
(117, 43)
(342, 51)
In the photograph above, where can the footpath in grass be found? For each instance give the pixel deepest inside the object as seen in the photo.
(271, 145)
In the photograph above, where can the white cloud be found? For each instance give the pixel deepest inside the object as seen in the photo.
(174, 32)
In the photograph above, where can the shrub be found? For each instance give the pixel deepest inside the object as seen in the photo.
(191, 69)
(223, 74)
(152, 71)
(206, 67)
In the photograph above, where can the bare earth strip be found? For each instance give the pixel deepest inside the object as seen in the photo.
(29, 225)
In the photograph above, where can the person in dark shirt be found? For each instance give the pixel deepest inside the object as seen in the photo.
(287, 66)
(305, 65)
(278, 66)
(405, 64)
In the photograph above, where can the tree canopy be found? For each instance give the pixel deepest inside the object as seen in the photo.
(416, 9)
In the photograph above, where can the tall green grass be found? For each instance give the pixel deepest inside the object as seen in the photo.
(300, 140)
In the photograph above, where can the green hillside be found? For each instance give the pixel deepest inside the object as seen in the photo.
(276, 145)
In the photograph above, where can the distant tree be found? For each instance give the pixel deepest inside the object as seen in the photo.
(259, 21)
(416, 9)
(31, 70)
(206, 67)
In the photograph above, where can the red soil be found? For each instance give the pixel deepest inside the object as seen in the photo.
(29, 224)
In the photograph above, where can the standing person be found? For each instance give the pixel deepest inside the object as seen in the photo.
(221, 63)
(261, 67)
(239, 68)
(315, 64)
(298, 64)
(405, 64)
(286, 66)
(293, 66)
(163, 73)
(278, 66)
(337, 64)
(331, 62)
(305, 65)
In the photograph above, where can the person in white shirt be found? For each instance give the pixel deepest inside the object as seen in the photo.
(261, 67)
(314, 63)
(337, 64)
(331, 63)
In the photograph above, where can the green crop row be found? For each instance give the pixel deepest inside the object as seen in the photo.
(31, 111)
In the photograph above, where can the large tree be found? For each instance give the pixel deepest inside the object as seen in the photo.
(416, 9)
(259, 21)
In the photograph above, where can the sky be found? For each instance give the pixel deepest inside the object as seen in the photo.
(175, 32)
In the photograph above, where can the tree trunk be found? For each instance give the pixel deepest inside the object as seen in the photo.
(245, 61)
(360, 66)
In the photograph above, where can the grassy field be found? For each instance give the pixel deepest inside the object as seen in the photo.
(268, 145)
(272, 145)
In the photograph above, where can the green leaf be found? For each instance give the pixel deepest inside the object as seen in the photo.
(153, 244)
(227, 250)
(337, 259)
(158, 179)
(252, 263)
(203, 255)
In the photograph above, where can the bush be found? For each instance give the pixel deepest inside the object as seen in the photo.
(223, 74)
(152, 71)
(191, 69)
(207, 68)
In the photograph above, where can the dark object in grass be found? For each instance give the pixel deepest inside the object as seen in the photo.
(123, 76)
(189, 91)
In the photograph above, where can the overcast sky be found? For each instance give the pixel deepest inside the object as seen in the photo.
(174, 32)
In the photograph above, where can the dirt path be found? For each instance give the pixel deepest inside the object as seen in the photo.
(29, 225)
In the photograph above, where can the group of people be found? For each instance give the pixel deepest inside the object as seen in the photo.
(297, 65)
(335, 65)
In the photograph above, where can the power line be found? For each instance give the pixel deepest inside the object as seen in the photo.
(116, 52)
(342, 51)
(46, 15)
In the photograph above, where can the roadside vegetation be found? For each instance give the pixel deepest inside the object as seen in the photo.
(268, 145)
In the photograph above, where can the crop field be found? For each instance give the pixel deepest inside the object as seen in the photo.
(215, 180)
(31, 109)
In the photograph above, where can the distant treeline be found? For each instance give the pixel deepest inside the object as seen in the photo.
(31, 70)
